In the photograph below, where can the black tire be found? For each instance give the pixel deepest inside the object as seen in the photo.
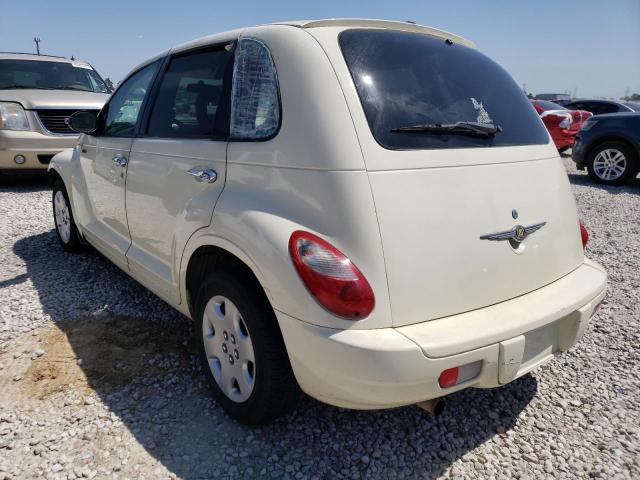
(275, 390)
(631, 163)
(74, 243)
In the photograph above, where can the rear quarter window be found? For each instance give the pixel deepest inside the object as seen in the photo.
(406, 79)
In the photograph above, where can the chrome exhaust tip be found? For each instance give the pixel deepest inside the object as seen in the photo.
(435, 406)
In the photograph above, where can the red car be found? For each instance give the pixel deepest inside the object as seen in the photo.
(563, 124)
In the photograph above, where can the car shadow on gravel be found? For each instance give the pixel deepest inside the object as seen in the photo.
(114, 338)
(581, 178)
(24, 183)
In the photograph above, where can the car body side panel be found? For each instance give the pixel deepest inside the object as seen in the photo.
(165, 204)
(62, 163)
(104, 219)
(261, 206)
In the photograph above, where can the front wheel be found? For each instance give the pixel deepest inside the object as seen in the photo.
(242, 350)
(68, 234)
(612, 163)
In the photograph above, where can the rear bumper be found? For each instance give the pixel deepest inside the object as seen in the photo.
(381, 368)
(35, 147)
(563, 138)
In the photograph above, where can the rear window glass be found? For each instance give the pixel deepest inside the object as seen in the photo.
(549, 105)
(406, 79)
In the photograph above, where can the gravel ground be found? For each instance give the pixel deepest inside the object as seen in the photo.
(98, 379)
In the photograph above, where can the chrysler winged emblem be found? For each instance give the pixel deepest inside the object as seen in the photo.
(517, 234)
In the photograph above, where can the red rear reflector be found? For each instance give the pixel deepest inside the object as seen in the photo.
(584, 234)
(334, 281)
(449, 377)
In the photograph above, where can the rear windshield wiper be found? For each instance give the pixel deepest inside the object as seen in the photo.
(458, 128)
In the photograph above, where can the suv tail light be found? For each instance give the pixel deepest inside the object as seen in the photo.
(584, 234)
(334, 281)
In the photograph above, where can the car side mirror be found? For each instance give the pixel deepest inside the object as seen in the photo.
(84, 122)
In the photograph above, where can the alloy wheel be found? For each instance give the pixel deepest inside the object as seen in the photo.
(609, 164)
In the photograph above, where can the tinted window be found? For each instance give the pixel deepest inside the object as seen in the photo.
(193, 98)
(45, 75)
(632, 105)
(576, 106)
(122, 112)
(406, 79)
(549, 105)
(608, 108)
(597, 108)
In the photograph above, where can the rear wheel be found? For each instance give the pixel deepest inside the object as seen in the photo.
(242, 350)
(68, 234)
(612, 163)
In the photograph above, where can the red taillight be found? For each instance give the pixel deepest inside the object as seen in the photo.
(330, 276)
(449, 377)
(584, 234)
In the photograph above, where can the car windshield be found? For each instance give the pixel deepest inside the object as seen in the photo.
(633, 105)
(50, 75)
(549, 105)
(413, 80)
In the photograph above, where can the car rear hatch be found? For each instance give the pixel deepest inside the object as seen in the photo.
(467, 219)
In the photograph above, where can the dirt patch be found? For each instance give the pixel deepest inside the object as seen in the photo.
(92, 354)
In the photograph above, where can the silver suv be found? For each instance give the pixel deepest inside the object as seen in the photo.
(38, 94)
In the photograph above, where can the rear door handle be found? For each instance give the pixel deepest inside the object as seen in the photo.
(203, 174)
(120, 160)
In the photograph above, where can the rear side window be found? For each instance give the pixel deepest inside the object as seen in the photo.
(545, 105)
(597, 108)
(255, 99)
(610, 108)
(405, 79)
(191, 100)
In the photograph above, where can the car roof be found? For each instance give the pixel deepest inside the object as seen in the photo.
(332, 22)
(231, 35)
(33, 56)
(406, 26)
(595, 100)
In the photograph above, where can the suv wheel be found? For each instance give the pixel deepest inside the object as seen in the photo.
(242, 351)
(612, 163)
(66, 230)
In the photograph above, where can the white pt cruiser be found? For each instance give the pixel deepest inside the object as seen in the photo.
(369, 211)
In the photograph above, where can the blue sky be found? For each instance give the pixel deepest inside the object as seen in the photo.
(549, 45)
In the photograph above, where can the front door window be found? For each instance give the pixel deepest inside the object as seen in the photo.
(123, 110)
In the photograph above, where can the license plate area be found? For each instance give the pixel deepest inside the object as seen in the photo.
(525, 352)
